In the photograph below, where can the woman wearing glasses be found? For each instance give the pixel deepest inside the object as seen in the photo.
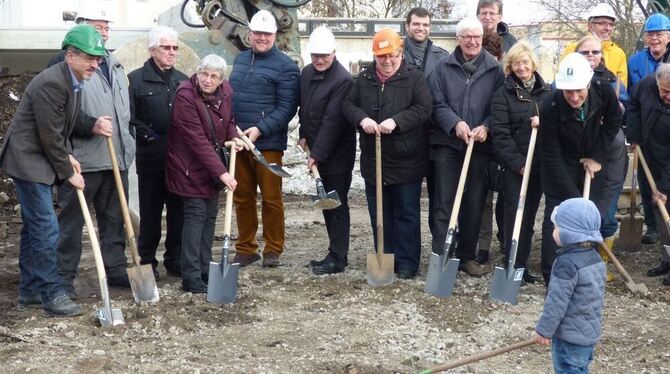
(617, 158)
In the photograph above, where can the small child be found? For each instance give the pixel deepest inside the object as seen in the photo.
(572, 315)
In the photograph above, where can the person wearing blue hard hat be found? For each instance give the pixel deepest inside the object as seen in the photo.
(640, 65)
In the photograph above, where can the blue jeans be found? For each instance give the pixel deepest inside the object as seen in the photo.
(570, 358)
(37, 256)
(402, 225)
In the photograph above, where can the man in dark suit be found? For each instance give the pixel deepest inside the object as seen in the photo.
(36, 154)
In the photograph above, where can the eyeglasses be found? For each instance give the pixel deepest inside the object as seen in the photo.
(586, 53)
(323, 57)
(213, 76)
(603, 23)
(169, 47)
(489, 14)
(471, 37)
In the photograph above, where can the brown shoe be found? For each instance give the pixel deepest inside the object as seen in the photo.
(245, 260)
(472, 268)
(270, 260)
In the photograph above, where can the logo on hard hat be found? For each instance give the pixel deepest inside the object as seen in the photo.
(570, 71)
(383, 44)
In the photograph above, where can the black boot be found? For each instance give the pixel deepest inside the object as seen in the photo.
(327, 266)
(194, 285)
(482, 256)
(529, 277)
(661, 269)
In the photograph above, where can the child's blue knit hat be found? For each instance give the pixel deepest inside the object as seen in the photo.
(578, 221)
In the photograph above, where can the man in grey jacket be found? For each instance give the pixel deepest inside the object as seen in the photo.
(105, 112)
(463, 84)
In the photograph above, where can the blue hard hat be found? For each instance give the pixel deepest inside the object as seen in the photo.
(657, 22)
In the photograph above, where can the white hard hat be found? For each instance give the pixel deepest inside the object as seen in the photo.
(574, 73)
(263, 21)
(602, 10)
(92, 10)
(321, 41)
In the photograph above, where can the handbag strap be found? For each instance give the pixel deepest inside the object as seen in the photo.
(212, 129)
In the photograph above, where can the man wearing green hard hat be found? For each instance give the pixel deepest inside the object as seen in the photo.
(105, 113)
(36, 154)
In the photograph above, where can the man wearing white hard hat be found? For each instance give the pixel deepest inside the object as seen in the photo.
(266, 85)
(578, 123)
(105, 112)
(601, 21)
(324, 84)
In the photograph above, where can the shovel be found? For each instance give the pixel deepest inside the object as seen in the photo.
(506, 283)
(222, 285)
(323, 200)
(630, 284)
(478, 357)
(630, 230)
(380, 266)
(107, 315)
(442, 269)
(276, 169)
(654, 189)
(141, 277)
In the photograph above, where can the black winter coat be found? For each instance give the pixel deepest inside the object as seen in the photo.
(648, 125)
(331, 140)
(150, 114)
(406, 98)
(565, 139)
(511, 109)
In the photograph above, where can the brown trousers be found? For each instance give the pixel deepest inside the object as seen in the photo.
(250, 174)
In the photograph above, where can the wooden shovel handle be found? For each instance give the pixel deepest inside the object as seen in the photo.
(97, 255)
(518, 218)
(587, 185)
(227, 218)
(379, 195)
(453, 220)
(479, 357)
(127, 223)
(314, 169)
(652, 183)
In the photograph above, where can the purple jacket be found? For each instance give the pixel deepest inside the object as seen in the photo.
(192, 165)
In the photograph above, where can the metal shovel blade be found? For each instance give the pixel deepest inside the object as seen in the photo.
(637, 288)
(107, 315)
(505, 285)
(278, 170)
(143, 284)
(380, 269)
(666, 248)
(223, 276)
(630, 234)
(442, 271)
(323, 200)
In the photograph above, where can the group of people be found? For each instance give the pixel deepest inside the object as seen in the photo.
(425, 105)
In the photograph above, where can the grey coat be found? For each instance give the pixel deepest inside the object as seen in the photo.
(459, 96)
(36, 145)
(103, 98)
(573, 308)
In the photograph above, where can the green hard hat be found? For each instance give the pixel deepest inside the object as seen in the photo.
(86, 39)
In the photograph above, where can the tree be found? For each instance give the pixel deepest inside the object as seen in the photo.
(374, 8)
(570, 17)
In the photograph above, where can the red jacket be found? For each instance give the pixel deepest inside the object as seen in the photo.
(192, 165)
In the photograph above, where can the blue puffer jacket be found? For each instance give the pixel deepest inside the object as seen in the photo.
(573, 308)
(640, 65)
(266, 93)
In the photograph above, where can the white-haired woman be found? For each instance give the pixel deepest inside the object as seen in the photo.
(514, 111)
(202, 120)
(152, 90)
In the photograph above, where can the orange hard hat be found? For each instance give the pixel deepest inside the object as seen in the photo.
(386, 41)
